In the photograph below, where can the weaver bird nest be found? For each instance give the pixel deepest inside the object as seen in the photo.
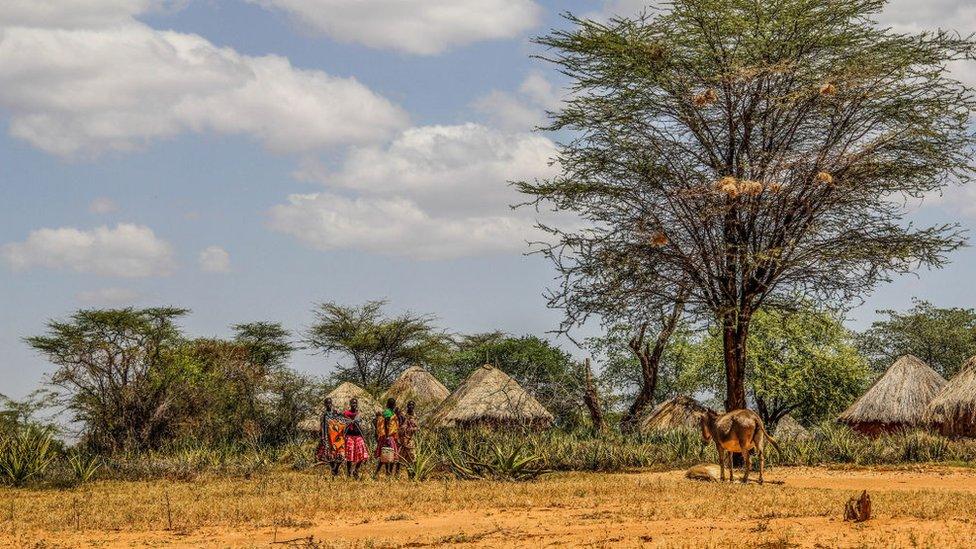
(705, 98)
(735, 187)
(825, 178)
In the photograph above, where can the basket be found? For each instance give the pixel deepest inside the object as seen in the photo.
(387, 455)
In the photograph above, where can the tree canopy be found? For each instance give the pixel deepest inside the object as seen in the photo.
(134, 381)
(943, 337)
(748, 152)
(379, 347)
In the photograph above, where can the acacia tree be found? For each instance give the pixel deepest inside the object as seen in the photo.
(380, 347)
(751, 152)
(112, 366)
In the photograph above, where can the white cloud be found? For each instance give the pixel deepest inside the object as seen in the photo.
(434, 192)
(523, 110)
(214, 259)
(394, 226)
(124, 251)
(103, 205)
(108, 296)
(423, 27)
(74, 13)
(915, 16)
(85, 90)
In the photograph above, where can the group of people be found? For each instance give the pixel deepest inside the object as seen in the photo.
(342, 438)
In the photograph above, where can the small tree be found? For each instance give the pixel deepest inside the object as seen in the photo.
(380, 347)
(753, 151)
(802, 363)
(943, 337)
(112, 366)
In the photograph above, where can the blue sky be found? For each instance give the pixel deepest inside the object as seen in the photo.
(246, 159)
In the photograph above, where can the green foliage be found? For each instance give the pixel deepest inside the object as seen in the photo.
(25, 454)
(425, 462)
(83, 466)
(378, 346)
(747, 152)
(111, 364)
(496, 462)
(135, 382)
(943, 337)
(620, 376)
(803, 362)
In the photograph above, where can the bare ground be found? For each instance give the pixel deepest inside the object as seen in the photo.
(920, 507)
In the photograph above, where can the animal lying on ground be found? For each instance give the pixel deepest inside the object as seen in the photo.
(737, 431)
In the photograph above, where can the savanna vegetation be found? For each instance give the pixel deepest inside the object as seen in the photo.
(735, 175)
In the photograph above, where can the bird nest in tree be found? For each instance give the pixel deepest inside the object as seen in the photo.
(705, 98)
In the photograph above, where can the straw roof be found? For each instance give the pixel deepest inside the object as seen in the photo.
(340, 398)
(953, 410)
(420, 386)
(489, 396)
(680, 412)
(897, 400)
(789, 428)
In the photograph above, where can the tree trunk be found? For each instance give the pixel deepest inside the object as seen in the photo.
(735, 331)
(592, 399)
(650, 361)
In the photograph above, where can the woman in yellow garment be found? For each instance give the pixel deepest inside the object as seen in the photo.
(387, 439)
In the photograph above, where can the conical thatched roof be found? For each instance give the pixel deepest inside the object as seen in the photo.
(953, 410)
(340, 399)
(489, 397)
(897, 400)
(420, 386)
(680, 412)
(790, 428)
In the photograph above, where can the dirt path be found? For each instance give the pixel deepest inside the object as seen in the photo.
(933, 507)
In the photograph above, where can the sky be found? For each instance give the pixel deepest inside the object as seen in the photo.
(247, 159)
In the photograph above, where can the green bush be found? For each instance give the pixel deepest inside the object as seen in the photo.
(25, 454)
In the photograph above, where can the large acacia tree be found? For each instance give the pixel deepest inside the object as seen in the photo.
(749, 152)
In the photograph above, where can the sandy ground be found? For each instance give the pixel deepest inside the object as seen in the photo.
(904, 504)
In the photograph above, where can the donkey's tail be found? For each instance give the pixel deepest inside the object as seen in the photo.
(769, 437)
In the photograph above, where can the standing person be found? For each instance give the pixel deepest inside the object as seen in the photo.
(408, 429)
(356, 451)
(387, 433)
(332, 438)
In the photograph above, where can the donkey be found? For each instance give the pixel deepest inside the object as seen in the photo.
(737, 431)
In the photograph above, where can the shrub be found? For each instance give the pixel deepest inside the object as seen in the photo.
(25, 454)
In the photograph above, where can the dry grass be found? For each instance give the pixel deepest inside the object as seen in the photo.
(658, 508)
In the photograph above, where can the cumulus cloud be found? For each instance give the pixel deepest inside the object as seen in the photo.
(103, 205)
(75, 13)
(521, 110)
(214, 259)
(423, 27)
(83, 90)
(126, 250)
(434, 192)
(108, 296)
(394, 226)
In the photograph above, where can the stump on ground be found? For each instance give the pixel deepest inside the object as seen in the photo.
(858, 509)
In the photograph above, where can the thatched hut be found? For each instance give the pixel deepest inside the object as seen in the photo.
(489, 397)
(788, 428)
(897, 400)
(953, 411)
(680, 412)
(420, 386)
(340, 398)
